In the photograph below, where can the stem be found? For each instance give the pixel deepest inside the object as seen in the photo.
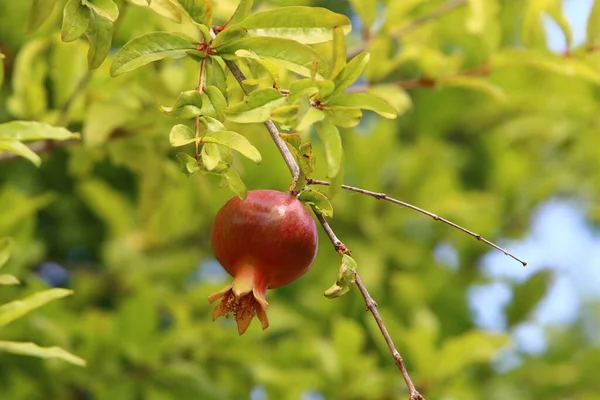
(200, 88)
(383, 196)
(340, 247)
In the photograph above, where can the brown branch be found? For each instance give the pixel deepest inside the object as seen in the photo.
(383, 196)
(339, 246)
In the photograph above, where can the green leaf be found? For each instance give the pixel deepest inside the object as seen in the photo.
(148, 48)
(235, 141)
(318, 200)
(8, 280)
(181, 135)
(5, 249)
(33, 130)
(217, 99)
(1, 68)
(306, 25)
(216, 158)
(235, 183)
(343, 117)
(32, 349)
(187, 105)
(99, 33)
(268, 66)
(527, 295)
(241, 12)
(256, 107)
(351, 72)
(393, 95)
(18, 148)
(75, 21)
(16, 309)
(228, 36)
(307, 114)
(296, 57)
(336, 182)
(187, 163)
(164, 8)
(210, 124)
(364, 101)
(338, 58)
(330, 136)
(473, 83)
(345, 279)
(593, 25)
(105, 8)
(310, 87)
(200, 11)
(38, 13)
(476, 18)
(366, 10)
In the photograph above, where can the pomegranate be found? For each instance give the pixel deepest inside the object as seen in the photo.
(264, 242)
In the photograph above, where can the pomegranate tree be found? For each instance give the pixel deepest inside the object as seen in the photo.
(264, 242)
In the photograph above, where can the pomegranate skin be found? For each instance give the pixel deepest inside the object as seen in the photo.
(270, 232)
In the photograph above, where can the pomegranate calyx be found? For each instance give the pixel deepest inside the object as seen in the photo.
(243, 306)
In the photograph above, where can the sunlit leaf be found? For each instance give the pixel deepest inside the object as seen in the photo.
(476, 18)
(306, 25)
(330, 136)
(105, 8)
(235, 183)
(296, 57)
(310, 87)
(200, 11)
(256, 107)
(235, 141)
(181, 135)
(16, 309)
(345, 279)
(366, 10)
(228, 36)
(338, 58)
(593, 25)
(364, 101)
(8, 280)
(187, 105)
(217, 99)
(268, 66)
(318, 200)
(18, 148)
(148, 48)
(187, 163)
(32, 349)
(75, 20)
(343, 117)
(38, 13)
(5, 249)
(99, 33)
(242, 11)
(393, 95)
(33, 130)
(351, 72)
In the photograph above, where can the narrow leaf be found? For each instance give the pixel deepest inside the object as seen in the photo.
(306, 25)
(593, 25)
(295, 56)
(5, 249)
(181, 135)
(18, 148)
(393, 95)
(330, 136)
(366, 10)
(318, 200)
(217, 99)
(8, 280)
(32, 349)
(75, 20)
(235, 141)
(235, 183)
(211, 156)
(187, 163)
(38, 13)
(200, 11)
(228, 36)
(33, 130)
(241, 12)
(187, 105)
(343, 117)
(256, 107)
(364, 101)
(99, 33)
(148, 48)
(105, 8)
(16, 309)
(351, 72)
(338, 59)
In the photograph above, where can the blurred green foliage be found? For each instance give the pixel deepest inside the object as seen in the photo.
(494, 126)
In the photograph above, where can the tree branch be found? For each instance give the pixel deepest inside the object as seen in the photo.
(339, 246)
(383, 196)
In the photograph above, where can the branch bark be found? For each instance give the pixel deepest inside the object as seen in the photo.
(339, 246)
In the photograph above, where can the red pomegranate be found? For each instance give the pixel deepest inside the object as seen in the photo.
(264, 242)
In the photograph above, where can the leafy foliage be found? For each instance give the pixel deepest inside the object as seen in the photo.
(491, 124)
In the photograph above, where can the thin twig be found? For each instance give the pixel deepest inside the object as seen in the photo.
(339, 246)
(372, 308)
(383, 196)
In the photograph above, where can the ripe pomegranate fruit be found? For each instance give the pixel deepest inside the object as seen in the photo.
(264, 242)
